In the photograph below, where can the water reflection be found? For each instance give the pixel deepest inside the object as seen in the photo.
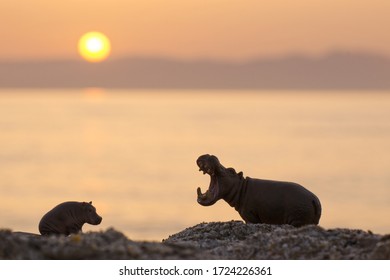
(133, 154)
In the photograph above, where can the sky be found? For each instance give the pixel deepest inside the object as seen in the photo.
(193, 29)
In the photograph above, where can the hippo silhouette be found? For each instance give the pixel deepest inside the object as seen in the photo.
(257, 200)
(68, 217)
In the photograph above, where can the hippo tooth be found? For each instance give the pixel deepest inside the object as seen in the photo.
(199, 192)
(204, 172)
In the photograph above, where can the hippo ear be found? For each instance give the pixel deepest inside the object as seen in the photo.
(231, 170)
(90, 202)
(240, 174)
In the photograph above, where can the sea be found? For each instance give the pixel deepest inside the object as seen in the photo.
(133, 153)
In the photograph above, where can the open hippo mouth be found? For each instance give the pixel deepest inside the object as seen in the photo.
(209, 164)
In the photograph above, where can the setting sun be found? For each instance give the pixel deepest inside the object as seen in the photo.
(94, 46)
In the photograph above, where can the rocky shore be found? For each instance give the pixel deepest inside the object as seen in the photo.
(220, 240)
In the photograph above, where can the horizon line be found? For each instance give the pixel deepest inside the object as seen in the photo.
(273, 57)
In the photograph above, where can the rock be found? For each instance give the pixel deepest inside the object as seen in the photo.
(219, 240)
(236, 240)
(109, 244)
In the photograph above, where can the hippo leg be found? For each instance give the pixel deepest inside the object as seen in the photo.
(297, 223)
(250, 218)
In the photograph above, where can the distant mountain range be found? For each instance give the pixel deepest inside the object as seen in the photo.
(336, 70)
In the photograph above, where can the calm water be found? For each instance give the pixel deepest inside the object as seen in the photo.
(133, 154)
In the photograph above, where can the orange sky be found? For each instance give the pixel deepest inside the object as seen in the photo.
(189, 29)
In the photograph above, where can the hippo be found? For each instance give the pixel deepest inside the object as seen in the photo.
(68, 217)
(258, 200)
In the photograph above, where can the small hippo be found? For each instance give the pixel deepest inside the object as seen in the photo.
(68, 217)
(257, 200)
